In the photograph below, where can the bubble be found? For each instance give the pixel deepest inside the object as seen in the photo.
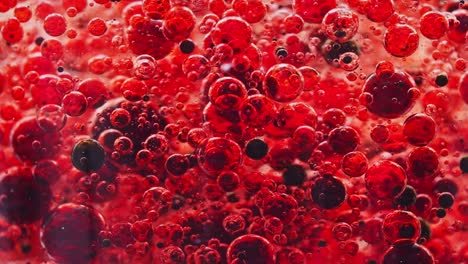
(52, 49)
(354, 164)
(252, 11)
(88, 155)
(177, 164)
(401, 40)
(233, 223)
(133, 89)
(408, 252)
(178, 23)
(313, 11)
(31, 143)
(97, 26)
(145, 36)
(328, 192)
(250, 249)
(196, 67)
(379, 10)
(51, 118)
(283, 82)
(227, 93)
(55, 25)
(422, 162)
(218, 154)
(70, 232)
(257, 110)
(12, 31)
(342, 231)
(74, 104)
(24, 200)
(340, 24)
(233, 31)
(385, 180)
(293, 23)
(343, 139)
(401, 226)
(349, 61)
(383, 88)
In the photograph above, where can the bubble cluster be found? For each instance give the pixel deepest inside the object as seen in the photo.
(233, 132)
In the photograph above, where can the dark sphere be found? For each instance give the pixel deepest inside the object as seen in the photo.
(441, 213)
(24, 200)
(426, 232)
(187, 46)
(70, 233)
(256, 149)
(250, 249)
(464, 164)
(441, 80)
(407, 197)
(294, 175)
(446, 200)
(88, 155)
(328, 192)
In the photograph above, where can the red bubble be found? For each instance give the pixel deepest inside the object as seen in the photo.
(283, 83)
(97, 27)
(419, 129)
(250, 249)
(401, 40)
(385, 180)
(55, 25)
(433, 25)
(313, 11)
(383, 97)
(12, 31)
(70, 233)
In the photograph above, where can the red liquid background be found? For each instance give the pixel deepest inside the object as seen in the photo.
(180, 95)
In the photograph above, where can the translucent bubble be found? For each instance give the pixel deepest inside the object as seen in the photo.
(51, 118)
(144, 67)
(283, 82)
(349, 61)
(340, 24)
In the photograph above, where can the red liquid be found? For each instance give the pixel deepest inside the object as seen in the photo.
(244, 131)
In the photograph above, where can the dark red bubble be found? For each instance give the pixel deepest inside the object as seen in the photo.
(24, 199)
(250, 249)
(385, 180)
(70, 233)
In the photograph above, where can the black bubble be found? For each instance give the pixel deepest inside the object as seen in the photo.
(441, 213)
(294, 175)
(347, 59)
(322, 243)
(441, 80)
(88, 155)
(407, 197)
(187, 46)
(256, 149)
(446, 200)
(464, 164)
(426, 232)
(106, 243)
(281, 52)
(328, 192)
(39, 41)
